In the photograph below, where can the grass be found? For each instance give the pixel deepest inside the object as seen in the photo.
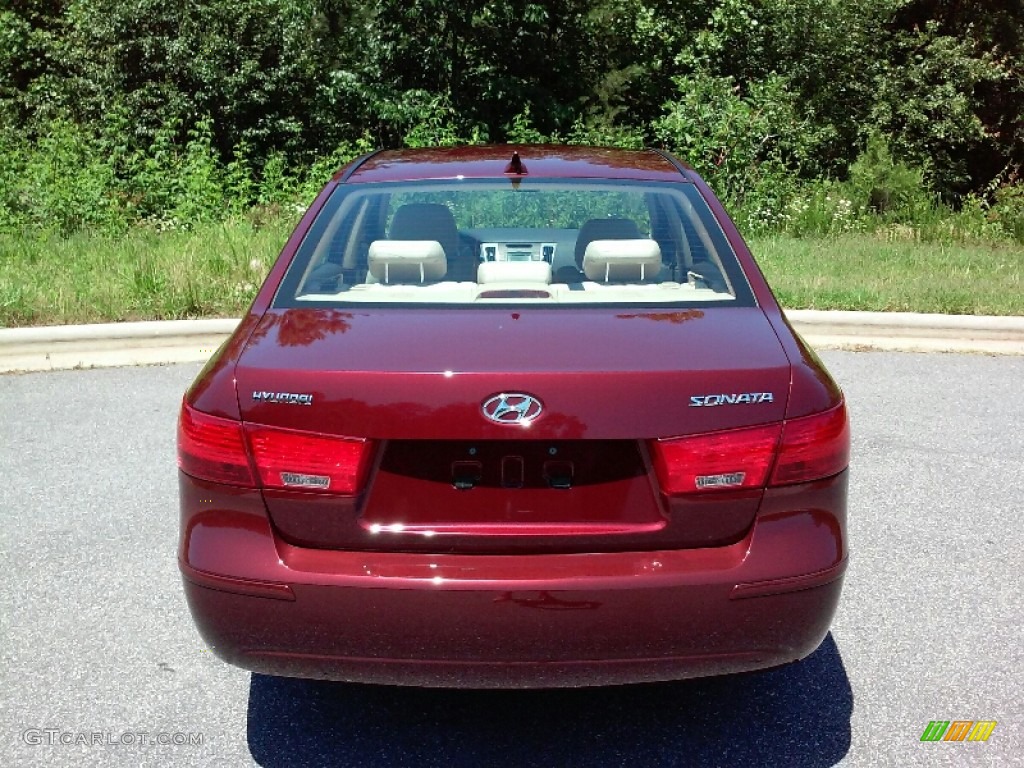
(214, 270)
(879, 272)
(210, 271)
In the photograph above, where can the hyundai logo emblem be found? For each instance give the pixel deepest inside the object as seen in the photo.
(512, 408)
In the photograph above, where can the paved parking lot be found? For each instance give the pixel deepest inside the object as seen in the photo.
(100, 660)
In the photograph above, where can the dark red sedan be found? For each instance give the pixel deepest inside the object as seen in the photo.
(513, 419)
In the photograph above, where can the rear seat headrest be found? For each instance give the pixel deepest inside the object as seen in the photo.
(407, 261)
(604, 229)
(627, 261)
(514, 272)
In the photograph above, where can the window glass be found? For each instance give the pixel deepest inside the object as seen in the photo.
(574, 242)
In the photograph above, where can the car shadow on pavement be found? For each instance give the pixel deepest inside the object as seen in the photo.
(794, 716)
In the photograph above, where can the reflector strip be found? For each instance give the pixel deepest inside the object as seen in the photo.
(720, 481)
(306, 481)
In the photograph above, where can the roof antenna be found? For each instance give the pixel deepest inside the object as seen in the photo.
(515, 166)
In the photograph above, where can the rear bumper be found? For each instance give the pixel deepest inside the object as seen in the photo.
(513, 621)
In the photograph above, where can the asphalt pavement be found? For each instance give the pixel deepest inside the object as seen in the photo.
(100, 661)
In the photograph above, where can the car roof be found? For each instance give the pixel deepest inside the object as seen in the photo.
(490, 162)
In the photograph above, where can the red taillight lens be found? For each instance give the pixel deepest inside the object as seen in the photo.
(304, 461)
(719, 461)
(813, 447)
(801, 450)
(212, 448)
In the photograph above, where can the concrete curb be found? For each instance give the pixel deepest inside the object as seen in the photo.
(152, 329)
(908, 320)
(45, 348)
(910, 332)
(105, 345)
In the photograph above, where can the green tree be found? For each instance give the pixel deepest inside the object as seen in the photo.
(264, 71)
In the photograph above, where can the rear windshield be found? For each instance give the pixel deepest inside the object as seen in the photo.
(478, 243)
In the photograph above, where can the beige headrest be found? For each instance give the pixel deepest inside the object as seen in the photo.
(622, 260)
(514, 272)
(407, 261)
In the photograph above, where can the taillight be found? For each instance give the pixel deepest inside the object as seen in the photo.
(212, 448)
(737, 458)
(813, 447)
(217, 449)
(801, 450)
(305, 461)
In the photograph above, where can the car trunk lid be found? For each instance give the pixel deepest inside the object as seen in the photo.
(578, 477)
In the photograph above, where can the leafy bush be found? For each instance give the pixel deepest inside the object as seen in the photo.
(884, 186)
(59, 183)
(739, 141)
(1008, 211)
